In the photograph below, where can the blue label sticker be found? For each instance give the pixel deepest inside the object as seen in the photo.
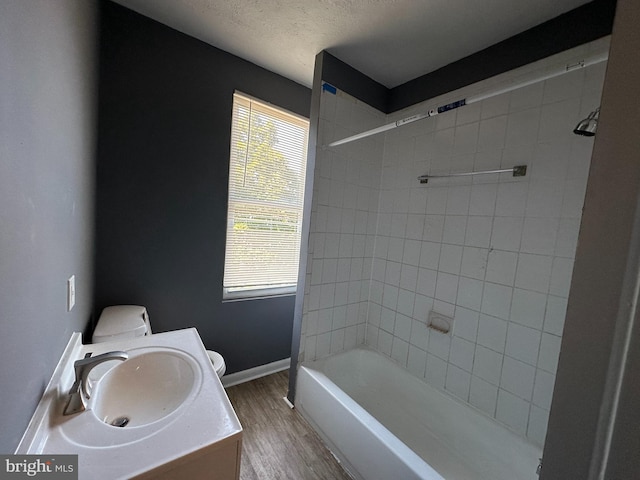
(327, 87)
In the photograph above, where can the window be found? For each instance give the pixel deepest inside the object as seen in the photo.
(266, 195)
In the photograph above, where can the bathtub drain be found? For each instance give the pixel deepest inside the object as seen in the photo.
(120, 421)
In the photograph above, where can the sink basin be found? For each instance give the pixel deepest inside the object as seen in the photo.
(178, 416)
(144, 389)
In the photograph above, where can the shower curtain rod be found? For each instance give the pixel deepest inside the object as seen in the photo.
(569, 67)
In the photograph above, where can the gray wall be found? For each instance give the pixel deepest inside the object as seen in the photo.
(46, 193)
(595, 404)
(165, 104)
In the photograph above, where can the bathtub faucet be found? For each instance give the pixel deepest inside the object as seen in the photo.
(539, 469)
(81, 389)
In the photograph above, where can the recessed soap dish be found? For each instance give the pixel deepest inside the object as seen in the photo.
(439, 322)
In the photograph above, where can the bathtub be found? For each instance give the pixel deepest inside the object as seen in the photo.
(383, 423)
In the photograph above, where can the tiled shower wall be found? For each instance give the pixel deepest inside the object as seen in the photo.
(342, 231)
(493, 252)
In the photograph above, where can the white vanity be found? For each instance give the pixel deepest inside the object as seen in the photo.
(162, 413)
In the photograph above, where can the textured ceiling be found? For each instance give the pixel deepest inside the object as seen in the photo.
(391, 41)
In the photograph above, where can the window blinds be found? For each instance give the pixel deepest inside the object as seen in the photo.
(266, 195)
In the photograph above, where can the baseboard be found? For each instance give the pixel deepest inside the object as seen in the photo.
(255, 372)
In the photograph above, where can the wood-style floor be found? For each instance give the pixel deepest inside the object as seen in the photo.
(277, 443)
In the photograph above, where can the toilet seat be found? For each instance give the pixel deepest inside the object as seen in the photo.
(218, 362)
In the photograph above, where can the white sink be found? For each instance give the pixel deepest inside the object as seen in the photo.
(176, 409)
(147, 387)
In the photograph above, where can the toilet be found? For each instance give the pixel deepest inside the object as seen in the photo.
(130, 321)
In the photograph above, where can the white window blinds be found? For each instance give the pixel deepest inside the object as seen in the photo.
(266, 194)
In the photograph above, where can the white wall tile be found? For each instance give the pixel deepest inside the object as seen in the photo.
(511, 200)
(439, 345)
(402, 327)
(482, 200)
(385, 342)
(343, 270)
(446, 287)
(544, 197)
(506, 233)
(493, 106)
(436, 371)
(350, 337)
(496, 300)
(408, 277)
(450, 259)
(555, 315)
(465, 138)
(454, 229)
(470, 293)
(537, 428)
(419, 334)
(427, 279)
(561, 272)
(433, 228)
(474, 262)
(339, 319)
(522, 127)
(392, 273)
(512, 411)
(323, 345)
(398, 224)
(558, 119)
(436, 200)
(492, 133)
(337, 341)
(527, 308)
(406, 300)
(534, 272)
(458, 382)
(492, 332)
(470, 113)
(443, 142)
(517, 378)
(387, 319)
(417, 361)
(567, 239)
(526, 97)
(390, 297)
(430, 255)
(462, 353)
(501, 267)
(327, 295)
(488, 365)
(523, 343)
(549, 353)
(564, 86)
(483, 395)
(465, 324)
(543, 389)
(415, 225)
(478, 232)
(400, 351)
(539, 235)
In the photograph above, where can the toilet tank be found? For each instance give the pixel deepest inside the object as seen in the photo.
(122, 321)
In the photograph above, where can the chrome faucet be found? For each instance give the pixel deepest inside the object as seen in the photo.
(81, 388)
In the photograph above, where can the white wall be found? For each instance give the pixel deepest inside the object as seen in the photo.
(495, 252)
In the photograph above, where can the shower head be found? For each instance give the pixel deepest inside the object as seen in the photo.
(588, 126)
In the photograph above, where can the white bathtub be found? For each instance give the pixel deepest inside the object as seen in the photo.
(383, 423)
